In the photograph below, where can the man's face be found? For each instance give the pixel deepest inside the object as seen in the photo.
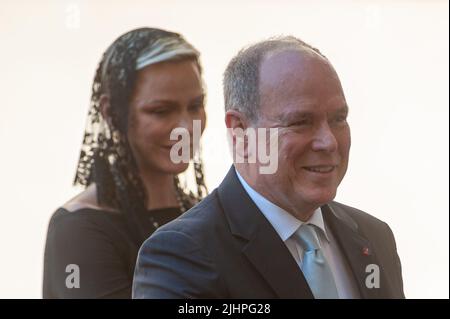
(301, 95)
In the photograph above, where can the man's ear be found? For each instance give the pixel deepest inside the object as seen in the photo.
(105, 108)
(235, 119)
(237, 123)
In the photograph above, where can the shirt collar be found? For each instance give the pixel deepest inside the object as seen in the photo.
(284, 223)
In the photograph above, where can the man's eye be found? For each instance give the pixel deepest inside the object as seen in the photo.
(340, 119)
(301, 123)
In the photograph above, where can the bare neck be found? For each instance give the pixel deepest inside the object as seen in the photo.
(160, 189)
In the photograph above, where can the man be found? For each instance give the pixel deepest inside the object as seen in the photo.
(277, 235)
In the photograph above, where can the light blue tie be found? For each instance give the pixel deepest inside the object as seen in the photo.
(314, 266)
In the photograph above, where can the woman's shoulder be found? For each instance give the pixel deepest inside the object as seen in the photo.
(86, 201)
(82, 210)
(82, 221)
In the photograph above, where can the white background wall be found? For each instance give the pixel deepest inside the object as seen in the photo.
(392, 57)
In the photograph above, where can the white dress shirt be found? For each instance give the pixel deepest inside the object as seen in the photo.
(286, 225)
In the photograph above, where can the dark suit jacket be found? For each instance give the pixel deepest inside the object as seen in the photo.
(225, 248)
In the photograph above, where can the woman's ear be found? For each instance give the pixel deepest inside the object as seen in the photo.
(105, 108)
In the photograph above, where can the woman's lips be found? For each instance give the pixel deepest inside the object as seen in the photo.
(169, 147)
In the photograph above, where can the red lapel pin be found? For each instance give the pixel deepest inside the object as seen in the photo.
(365, 251)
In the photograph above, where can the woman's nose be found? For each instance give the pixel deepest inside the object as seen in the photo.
(185, 122)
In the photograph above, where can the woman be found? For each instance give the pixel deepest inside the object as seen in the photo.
(147, 83)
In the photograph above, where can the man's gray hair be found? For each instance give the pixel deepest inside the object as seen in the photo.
(241, 77)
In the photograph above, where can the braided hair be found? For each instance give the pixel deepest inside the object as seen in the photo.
(106, 158)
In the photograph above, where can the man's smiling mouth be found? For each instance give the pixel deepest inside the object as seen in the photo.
(322, 169)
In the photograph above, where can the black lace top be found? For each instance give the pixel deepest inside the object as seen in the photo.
(99, 246)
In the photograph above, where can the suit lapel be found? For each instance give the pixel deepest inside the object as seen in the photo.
(264, 248)
(270, 256)
(356, 248)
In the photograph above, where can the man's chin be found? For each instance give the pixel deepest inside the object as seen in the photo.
(319, 198)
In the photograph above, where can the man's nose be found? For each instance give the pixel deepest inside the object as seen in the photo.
(324, 140)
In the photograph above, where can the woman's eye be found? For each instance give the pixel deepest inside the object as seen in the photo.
(196, 107)
(159, 111)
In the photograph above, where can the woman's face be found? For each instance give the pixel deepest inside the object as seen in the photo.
(167, 95)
